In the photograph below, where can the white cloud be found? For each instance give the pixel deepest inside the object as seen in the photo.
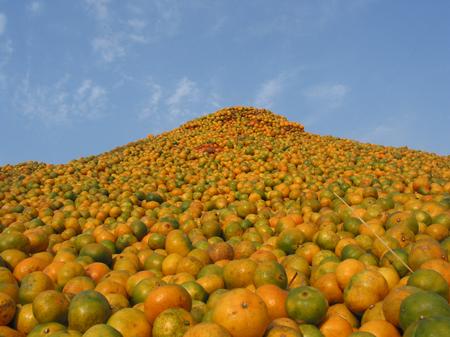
(99, 8)
(90, 99)
(122, 27)
(186, 91)
(2, 23)
(394, 131)
(35, 7)
(186, 99)
(168, 107)
(6, 51)
(268, 91)
(331, 95)
(168, 17)
(323, 100)
(109, 47)
(151, 106)
(137, 24)
(215, 99)
(57, 103)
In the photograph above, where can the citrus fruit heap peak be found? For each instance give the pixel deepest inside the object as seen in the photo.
(237, 223)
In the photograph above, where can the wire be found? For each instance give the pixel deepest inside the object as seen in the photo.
(376, 235)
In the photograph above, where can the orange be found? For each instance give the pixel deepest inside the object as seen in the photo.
(283, 331)
(87, 309)
(423, 251)
(239, 273)
(220, 251)
(211, 282)
(242, 313)
(27, 266)
(52, 269)
(7, 309)
(117, 302)
(296, 262)
(6, 331)
(102, 330)
(336, 326)
(365, 289)
(341, 310)
(78, 284)
(190, 265)
(134, 279)
(290, 239)
(172, 322)
(270, 272)
(14, 240)
(306, 304)
(165, 297)
(346, 269)
(51, 306)
(362, 334)
(392, 302)
(177, 242)
(307, 251)
(207, 330)
(329, 286)
(46, 329)
(374, 312)
(437, 325)
(130, 322)
(110, 286)
(68, 271)
(33, 284)
(420, 305)
(98, 252)
(430, 280)
(144, 287)
(439, 265)
(380, 328)
(284, 321)
(390, 275)
(275, 299)
(25, 320)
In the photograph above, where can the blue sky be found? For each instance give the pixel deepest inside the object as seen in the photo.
(81, 77)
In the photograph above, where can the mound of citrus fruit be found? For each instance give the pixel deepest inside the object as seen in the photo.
(238, 223)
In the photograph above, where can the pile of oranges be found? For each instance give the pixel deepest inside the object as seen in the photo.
(238, 223)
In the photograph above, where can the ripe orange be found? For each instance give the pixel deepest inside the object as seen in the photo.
(165, 297)
(380, 328)
(336, 326)
(7, 309)
(130, 322)
(242, 313)
(275, 299)
(207, 330)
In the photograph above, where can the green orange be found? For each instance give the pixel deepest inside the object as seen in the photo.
(270, 272)
(306, 305)
(430, 280)
(46, 329)
(422, 305)
(172, 322)
(51, 306)
(429, 327)
(102, 330)
(87, 309)
(98, 252)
